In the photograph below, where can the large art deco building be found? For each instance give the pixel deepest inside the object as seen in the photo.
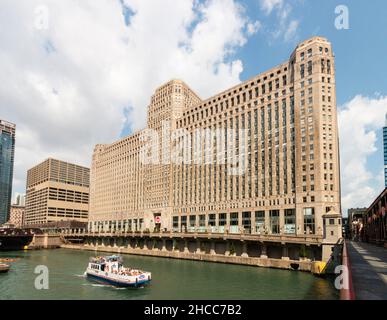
(288, 120)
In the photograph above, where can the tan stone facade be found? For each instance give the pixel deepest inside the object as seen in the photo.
(57, 191)
(17, 215)
(288, 144)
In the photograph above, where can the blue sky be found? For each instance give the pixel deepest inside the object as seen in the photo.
(361, 51)
(87, 72)
(361, 54)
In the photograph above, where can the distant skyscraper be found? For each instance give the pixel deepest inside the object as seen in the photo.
(385, 152)
(7, 151)
(19, 199)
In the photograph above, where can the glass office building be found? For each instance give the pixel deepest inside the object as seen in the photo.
(7, 152)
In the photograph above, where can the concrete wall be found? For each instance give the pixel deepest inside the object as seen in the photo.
(45, 241)
(234, 252)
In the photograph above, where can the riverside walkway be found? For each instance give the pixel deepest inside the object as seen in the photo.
(369, 270)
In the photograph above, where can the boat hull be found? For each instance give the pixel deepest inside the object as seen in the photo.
(4, 268)
(14, 242)
(117, 283)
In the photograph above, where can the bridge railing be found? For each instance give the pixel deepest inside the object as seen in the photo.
(314, 239)
(347, 292)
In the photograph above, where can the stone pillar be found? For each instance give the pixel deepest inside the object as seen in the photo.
(285, 252)
(135, 243)
(244, 250)
(252, 222)
(212, 250)
(282, 221)
(264, 251)
(267, 222)
(164, 247)
(239, 222)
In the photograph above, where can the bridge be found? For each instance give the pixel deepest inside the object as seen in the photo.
(280, 238)
(368, 266)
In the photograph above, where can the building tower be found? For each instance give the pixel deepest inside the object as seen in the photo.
(7, 153)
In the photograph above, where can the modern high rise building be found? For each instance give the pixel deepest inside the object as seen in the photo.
(261, 157)
(56, 191)
(7, 153)
(385, 152)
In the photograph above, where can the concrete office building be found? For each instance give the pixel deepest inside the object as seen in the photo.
(289, 148)
(56, 191)
(16, 217)
(7, 153)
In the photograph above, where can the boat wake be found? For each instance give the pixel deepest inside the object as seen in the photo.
(96, 285)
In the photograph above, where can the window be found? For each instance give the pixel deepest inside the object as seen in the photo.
(234, 221)
(309, 221)
(310, 68)
(290, 221)
(302, 71)
(211, 220)
(274, 222)
(260, 222)
(183, 223)
(175, 223)
(222, 219)
(246, 221)
(192, 221)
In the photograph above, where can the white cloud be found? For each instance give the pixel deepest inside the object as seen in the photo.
(269, 5)
(291, 31)
(253, 27)
(67, 87)
(359, 121)
(286, 28)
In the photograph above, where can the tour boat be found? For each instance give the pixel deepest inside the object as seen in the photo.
(110, 270)
(4, 268)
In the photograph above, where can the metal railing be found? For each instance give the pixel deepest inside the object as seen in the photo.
(289, 238)
(347, 293)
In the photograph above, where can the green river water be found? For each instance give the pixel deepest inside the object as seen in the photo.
(172, 279)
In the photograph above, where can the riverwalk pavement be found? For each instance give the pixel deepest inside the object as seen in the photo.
(369, 270)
